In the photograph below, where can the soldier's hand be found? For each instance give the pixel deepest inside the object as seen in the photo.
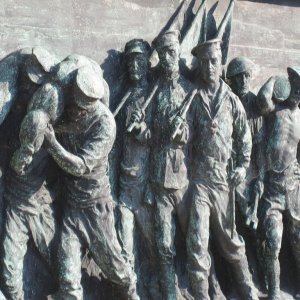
(137, 116)
(50, 134)
(148, 196)
(259, 187)
(177, 127)
(140, 127)
(238, 176)
(297, 171)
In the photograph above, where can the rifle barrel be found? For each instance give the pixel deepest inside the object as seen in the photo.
(184, 110)
(144, 107)
(124, 99)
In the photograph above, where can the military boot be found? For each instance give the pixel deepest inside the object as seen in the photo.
(167, 281)
(244, 279)
(273, 274)
(200, 290)
(130, 292)
(297, 294)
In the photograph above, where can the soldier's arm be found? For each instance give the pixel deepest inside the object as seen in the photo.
(97, 146)
(67, 161)
(264, 97)
(183, 133)
(241, 135)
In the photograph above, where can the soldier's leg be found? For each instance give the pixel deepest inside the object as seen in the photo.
(199, 261)
(164, 235)
(294, 232)
(42, 229)
(183, 208)
(231, 248)
(148, 253)
(105, 249)
(69, 262)
(270, 231)
(126, 234)
(15, 241)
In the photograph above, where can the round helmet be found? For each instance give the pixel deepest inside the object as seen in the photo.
(239, 65)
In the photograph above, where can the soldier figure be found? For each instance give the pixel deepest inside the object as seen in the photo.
(29, 213)
(168, 171)
(219, 125)
(135, 217)
(87, 133)
(239, 74)
(281, 192)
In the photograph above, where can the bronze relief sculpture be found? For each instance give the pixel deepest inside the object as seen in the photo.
(146, 187)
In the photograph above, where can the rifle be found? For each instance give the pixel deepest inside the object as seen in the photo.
(183, 111)
(124, 99)
(232, 198)
(252, 215)
(144, 107)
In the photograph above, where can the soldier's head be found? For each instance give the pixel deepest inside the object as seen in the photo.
(137, 53)
(87, 90)
(168, 50)
(209, 58)
(239, 75)
(294, 78)
(39, 65)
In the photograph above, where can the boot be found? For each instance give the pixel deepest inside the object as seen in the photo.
(244, 279)
(200, 289)
(273, 275)
(297, 294)
(167, 281)
(215, 289)
(131, 293)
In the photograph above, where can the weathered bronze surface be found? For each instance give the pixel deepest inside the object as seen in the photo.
(173, 181)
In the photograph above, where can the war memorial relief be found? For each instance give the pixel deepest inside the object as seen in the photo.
(149, 150)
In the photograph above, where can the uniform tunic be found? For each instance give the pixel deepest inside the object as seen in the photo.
(218, 131)
(89, 218)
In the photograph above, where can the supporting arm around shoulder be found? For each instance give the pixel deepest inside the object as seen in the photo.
(67, 161)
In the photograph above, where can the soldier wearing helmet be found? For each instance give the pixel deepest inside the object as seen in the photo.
(86, 135)
(239, 74)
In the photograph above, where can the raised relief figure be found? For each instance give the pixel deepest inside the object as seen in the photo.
(281, 193)
(86, 134)
(219, 125)
(135, 222)
(239, 74)
(29, 213)
(168, 170)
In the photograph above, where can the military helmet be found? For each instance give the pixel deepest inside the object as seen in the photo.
(239, 65)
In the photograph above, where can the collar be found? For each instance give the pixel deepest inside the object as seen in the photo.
(170, 78)
(220, 94)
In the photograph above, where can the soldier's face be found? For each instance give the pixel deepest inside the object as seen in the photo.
(210, 66)
(240, 83)
(169, 57)
(137, 64)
